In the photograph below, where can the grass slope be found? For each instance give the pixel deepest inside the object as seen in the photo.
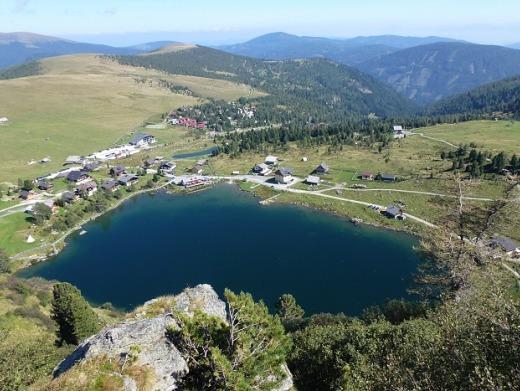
(80, 104)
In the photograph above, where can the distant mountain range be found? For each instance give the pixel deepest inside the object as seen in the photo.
(281, 46)
(423, 69)
(429, 73)
(18, 48)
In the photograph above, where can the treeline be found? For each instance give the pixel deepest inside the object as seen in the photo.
(501, 98)
(468, 158)
(24, 70)
(367, 131)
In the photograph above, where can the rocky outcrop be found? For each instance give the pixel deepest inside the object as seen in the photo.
(143, 342)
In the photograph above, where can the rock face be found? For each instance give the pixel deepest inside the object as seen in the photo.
(145, 341)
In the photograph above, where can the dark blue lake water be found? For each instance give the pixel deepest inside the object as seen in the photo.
(159, 244)
(201, 153)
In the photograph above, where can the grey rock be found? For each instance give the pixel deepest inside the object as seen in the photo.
(144, 341)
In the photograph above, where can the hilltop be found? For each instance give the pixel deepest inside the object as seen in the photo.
(316, 87)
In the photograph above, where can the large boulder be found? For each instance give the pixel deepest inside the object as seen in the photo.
(143, 341)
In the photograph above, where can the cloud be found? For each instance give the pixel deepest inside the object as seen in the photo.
(21, 5)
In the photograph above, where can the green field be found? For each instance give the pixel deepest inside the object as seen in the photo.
(81, 104)
(494, 136)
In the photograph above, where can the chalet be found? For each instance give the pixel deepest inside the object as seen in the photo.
(398, 128)
(141, 139)
(78, 177)
(91, 166)
(262, 169)
(323, 168)
(394, 212)
(387, 177)
(69, 197)
(283, 175)
(168, 167)
(196, 169)
(117, 170)
(367, 176)
(508, 245)
(110, 185)
(87, 188)
(271, 160)
(399, 132)
(26, 194)
(193, 182)
(313, 180)
(45, 185)
(128, 180)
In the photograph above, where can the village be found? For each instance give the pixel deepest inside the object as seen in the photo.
(103, 171)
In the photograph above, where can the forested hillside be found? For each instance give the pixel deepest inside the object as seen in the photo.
(429, 73)
(317, 88)
(498, 98)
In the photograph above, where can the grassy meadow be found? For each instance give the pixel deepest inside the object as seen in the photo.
(80, 104)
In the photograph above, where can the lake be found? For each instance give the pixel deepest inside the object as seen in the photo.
(201, 153)
(157, 244)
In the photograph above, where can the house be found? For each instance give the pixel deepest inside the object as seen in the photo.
(283, 175)
(387, 177)
(271, 160)
(193, 182)
(399, 132)
(4, 120)
(394, 212)
(141, 139)
(196, 169)
(91, 166)
(313, 180)
(26, 194)
(73, 159)
(110, 185)
(69, 197)
(150, 162)
(49, 203)
(168, 167)
(323, 168)
(117, 170)
(87, 188)
(262, 169)
(367, 176)
(128, 180)
(78, 177)
(45, 185)
(508, 245)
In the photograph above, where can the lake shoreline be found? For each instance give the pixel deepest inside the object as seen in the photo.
(32, 261)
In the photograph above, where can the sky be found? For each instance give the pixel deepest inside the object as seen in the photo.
(125, 22)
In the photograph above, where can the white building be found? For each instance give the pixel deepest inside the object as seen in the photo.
(271, 160)
(4, 120)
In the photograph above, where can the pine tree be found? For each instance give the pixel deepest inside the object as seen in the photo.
(288, 309)
(73, 315)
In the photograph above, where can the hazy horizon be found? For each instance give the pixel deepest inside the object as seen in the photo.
(122, 23)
